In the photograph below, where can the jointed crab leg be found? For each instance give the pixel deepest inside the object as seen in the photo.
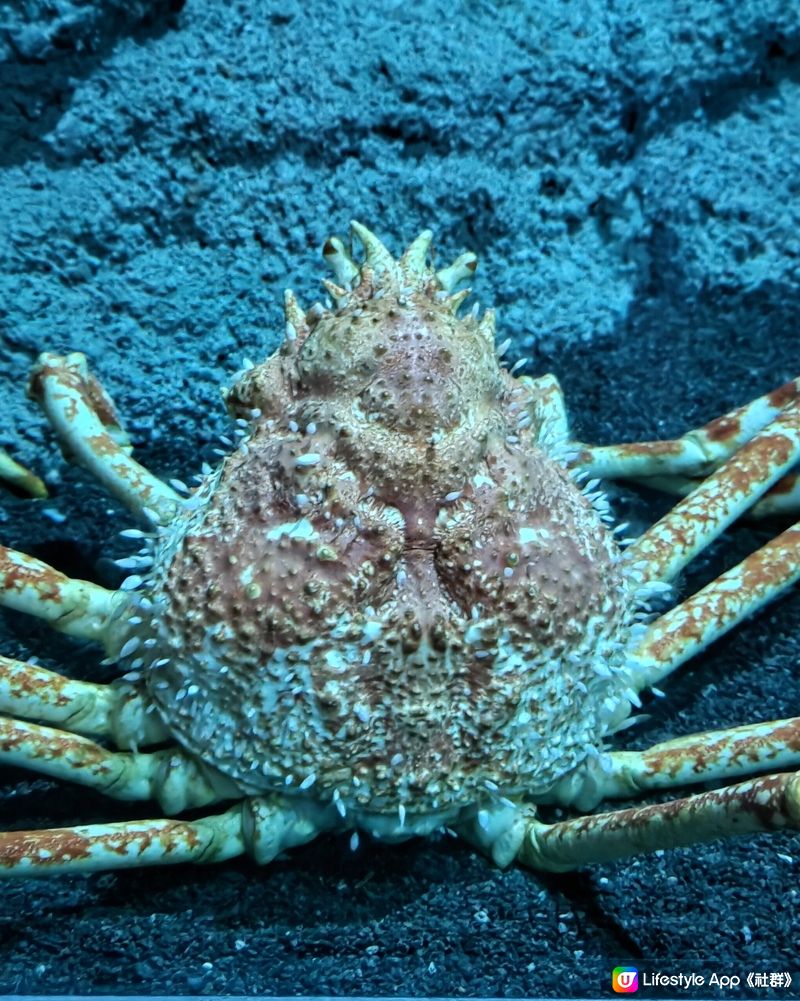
(689, 627)
(735, 753)
(673, 465)
(769, 803)
(119, 846)
(701, 757)
(117, 711)
(781, 499)
(669, 545)
(76, 607)
(262, 827)
(33, 691)
(169, 776)
(90, 433)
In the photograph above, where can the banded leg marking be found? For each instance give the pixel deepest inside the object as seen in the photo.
(674, 541)
(118, 711)
(32, 691)
(781, 499)
(702, 757)
(714, 756)
(91, 435)
(76, 607)
(683, 631)
(170, 776)
(769, 803)
(99, 847)
(262, 827)
(694, 455)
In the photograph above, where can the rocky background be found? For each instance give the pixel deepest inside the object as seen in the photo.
(628, 172)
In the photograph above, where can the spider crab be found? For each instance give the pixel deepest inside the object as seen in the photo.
(395, 606)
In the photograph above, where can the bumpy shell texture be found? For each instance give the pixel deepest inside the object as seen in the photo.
(391, 594)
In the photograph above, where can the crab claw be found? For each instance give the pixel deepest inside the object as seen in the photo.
(17, 477)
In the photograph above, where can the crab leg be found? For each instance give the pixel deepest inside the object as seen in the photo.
(20, 477)
(91, 435)
(700, 757)
(703, 757)
(76, 607)
(781, 499)
(769, 803)
(117, 711)
(673, 465)
(119, 846)
(169, 776)
(683, 631)
(674, 541)
(33, 691)
(262, 827)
